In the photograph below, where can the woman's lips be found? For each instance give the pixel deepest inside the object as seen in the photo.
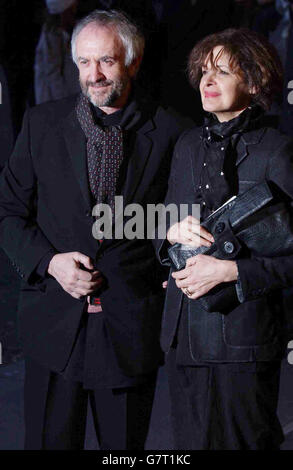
(211, 94)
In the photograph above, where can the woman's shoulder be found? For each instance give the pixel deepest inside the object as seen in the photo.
(191, 136)
(276, 136)
(267, 138)
(277, 145)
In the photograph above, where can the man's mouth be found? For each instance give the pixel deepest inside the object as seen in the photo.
(99, 85)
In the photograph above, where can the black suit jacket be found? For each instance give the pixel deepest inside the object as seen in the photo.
(45, 204)
(253, 330)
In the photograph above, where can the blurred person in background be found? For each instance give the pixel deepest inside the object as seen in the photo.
(275, 22)
(56, 76)
(20, 26)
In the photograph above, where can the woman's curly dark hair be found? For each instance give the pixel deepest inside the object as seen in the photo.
(251, 56)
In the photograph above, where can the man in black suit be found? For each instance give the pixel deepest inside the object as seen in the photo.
(89, 311)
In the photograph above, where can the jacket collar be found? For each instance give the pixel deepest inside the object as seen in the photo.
(143, 144)
(248, 138)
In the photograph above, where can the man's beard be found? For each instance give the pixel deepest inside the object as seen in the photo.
(116, 89)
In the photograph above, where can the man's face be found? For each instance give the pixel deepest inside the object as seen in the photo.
(103, 77)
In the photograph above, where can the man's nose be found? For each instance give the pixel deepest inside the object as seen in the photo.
(96, 72)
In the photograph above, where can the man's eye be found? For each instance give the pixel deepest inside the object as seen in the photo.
(108, 61)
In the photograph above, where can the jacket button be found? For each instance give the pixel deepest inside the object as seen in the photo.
(220, 227)
(88, 213)
(229, 247)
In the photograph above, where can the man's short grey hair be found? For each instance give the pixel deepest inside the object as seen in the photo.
(130, 35)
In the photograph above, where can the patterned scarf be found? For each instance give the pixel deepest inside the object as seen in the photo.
(104, 154)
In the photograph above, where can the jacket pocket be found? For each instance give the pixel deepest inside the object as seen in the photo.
(251, 324)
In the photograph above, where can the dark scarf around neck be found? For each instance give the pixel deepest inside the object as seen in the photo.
(219, 176)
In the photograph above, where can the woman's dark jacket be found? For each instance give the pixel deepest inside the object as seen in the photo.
(254, 330)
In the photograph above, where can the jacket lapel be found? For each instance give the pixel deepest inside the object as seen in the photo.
(76, 145)
(137, 162)
(247, 139)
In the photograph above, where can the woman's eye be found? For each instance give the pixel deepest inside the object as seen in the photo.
(224, 72)
(203, 72)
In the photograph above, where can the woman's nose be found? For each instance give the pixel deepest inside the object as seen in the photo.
(210, 77)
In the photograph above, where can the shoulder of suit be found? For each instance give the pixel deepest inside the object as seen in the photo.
(174, 118)
(275, 134)
(273, 138)
(53, 111)
(191, 136)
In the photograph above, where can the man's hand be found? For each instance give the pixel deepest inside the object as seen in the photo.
(189, 232)
(65, 268)
(202, 273)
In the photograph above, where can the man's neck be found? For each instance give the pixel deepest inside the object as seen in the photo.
(119, 104)
(110, 109)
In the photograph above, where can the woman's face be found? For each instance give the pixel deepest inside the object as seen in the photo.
(223, 91)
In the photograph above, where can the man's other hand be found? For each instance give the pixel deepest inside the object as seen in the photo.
(66, 269)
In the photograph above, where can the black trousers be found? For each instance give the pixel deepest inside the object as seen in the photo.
(55, 412)
(225, 406)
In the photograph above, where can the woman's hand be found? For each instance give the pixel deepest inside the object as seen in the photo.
(189, 232)
(202, 273)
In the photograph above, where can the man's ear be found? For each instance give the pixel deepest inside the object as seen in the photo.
(134, 67)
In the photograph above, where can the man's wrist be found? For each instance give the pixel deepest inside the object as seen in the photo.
(231, 271)
(42, 268)
(50, 265)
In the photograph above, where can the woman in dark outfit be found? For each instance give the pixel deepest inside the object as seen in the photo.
(224, 367)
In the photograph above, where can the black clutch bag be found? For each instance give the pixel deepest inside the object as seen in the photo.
(253, 223)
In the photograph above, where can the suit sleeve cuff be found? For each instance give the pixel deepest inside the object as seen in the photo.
(252, 282)
(162, 253)
(41, 270)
